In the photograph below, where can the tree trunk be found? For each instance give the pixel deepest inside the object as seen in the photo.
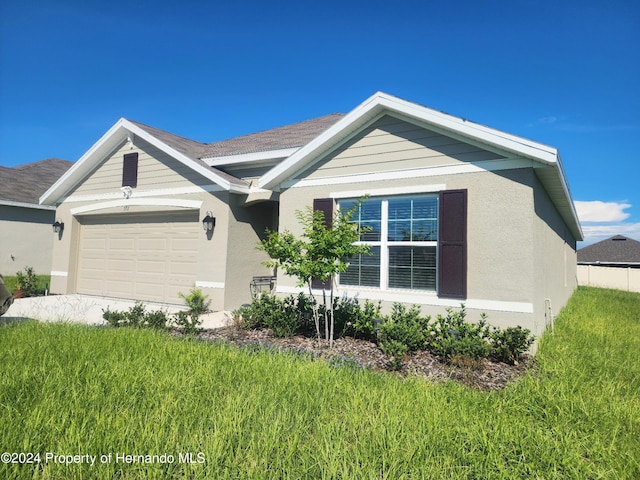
(332, 316)
(314, 308)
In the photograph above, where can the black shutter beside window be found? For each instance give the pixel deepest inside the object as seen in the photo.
(452, 245)
(130, 170)
(325, 205)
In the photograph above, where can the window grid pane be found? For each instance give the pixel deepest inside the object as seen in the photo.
(363, 270)
(412, 267)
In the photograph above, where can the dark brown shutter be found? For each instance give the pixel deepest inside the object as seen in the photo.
(452, 244)
(130, 170)
(325, 205)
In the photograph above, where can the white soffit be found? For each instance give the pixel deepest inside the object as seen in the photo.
(249, 158)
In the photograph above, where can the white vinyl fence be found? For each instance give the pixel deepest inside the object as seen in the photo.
(620, 278)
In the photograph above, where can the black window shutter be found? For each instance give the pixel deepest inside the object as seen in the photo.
(130, 170)
(325, 205)
(452, 245)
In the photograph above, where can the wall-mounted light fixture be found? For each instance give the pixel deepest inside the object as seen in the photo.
(208, 222)
(126, 192)
(58, 226)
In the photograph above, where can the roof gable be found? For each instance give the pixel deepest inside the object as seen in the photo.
(123, 129)
(617, 249)
(380, 104)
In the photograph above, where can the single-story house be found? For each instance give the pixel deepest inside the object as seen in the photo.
(26, 238)
(460, 212)
(611, 263)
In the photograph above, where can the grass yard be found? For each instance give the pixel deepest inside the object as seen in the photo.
(76, 390)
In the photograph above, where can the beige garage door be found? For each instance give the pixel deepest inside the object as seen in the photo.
(143, 257)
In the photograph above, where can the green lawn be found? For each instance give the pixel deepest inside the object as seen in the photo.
(75, 390)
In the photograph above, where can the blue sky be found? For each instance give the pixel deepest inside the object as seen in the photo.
(563, 73)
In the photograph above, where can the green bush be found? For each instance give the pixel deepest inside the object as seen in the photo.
(189, 321)
(508, 344)
(136, 316)
(285, 317)
(396, 350)
(405, 326)
(156, 319)
(115, 318)
(196, 301)
(451, 335)
(27, 282)
(353, 320)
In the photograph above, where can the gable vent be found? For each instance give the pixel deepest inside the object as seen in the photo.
(130, 170)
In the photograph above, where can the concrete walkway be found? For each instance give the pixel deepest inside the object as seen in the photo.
(88, 309)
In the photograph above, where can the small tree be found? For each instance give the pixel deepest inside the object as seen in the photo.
(320, 253)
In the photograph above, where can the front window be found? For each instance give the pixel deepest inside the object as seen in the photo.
(403, 237)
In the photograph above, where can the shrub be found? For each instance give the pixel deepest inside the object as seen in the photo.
(353, 320)
(156, 319)
(451, 335)
(136, 316)
(285, 317)
(27, 282)
(396, 350)
(189, 321)
(115, 318)
(196, 301)
(508, 344)
(285, 322)
(405, 326)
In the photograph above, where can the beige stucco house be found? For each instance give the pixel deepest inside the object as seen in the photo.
(26, 236)
(459, 212)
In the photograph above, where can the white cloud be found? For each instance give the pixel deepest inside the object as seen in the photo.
(596, 233)
(597, 211)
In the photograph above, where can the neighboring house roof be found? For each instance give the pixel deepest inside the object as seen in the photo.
(23, 185)
(615, 250)
(291, 149)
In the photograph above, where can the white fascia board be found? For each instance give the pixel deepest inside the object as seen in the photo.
(502, 140)
(35, 206)
(253, 157)
(114, 136)
(380, 103)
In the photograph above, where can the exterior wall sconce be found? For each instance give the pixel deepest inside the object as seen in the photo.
(208, 222)
(58, 226)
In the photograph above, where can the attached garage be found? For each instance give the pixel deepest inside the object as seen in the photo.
(139, 256)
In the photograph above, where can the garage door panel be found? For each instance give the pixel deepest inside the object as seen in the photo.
(150, 266)
(139, 257)
(154, 246)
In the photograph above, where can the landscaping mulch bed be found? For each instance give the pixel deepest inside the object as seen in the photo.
(483, 374)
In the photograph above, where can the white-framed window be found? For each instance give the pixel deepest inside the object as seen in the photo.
(403, 237)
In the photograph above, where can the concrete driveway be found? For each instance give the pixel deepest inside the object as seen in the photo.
(88, 309)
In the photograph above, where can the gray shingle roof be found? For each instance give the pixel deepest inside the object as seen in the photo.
(186, 146)
(288, 136)
(26, 183)
(190, 148)
(618, 249)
